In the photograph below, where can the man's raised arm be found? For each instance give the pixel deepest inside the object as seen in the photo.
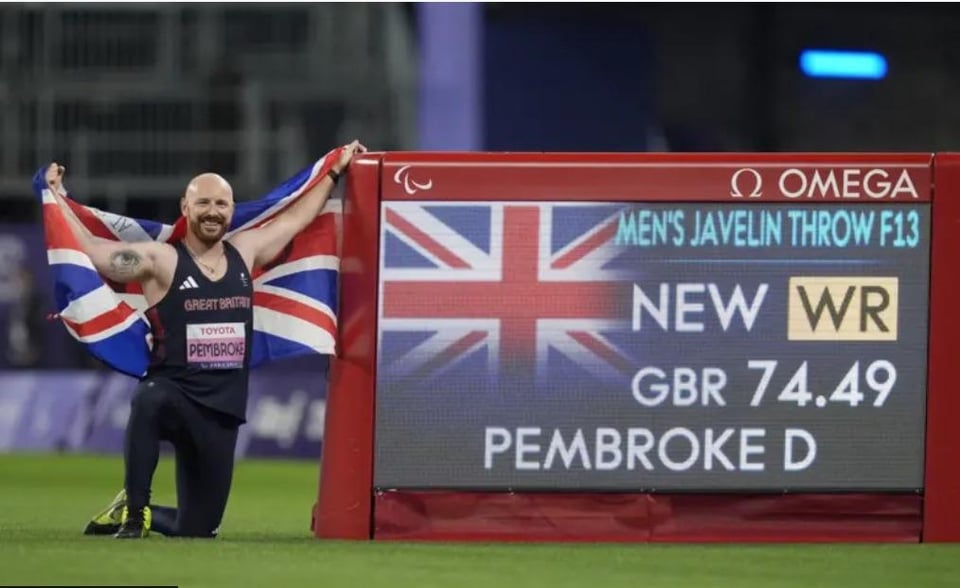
(118, 261)
(259, 246)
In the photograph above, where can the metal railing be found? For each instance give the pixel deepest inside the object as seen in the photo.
(135, 99)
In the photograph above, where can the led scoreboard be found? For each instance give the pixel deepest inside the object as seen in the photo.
(652, 346)
(666, 327)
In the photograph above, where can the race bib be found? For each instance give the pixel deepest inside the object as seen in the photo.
(216, 345)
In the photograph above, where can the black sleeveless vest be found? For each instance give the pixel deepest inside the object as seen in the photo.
(202, 331)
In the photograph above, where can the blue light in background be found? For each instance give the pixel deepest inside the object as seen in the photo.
(858, 65)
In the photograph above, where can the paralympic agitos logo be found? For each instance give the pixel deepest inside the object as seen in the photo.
(843, 183)
(410, 186)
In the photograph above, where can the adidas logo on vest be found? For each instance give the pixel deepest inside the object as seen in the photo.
(189, 283)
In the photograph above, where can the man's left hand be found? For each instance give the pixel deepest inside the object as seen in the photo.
(346, 156)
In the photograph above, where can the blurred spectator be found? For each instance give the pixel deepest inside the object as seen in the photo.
(25, 326)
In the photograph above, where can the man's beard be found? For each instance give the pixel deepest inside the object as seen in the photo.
(196, 227)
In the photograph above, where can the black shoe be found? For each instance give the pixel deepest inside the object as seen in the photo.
(135, 524)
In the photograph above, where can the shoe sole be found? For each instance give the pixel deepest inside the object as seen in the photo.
(100, 529)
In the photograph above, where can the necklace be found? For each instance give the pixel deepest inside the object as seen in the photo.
(212, 270)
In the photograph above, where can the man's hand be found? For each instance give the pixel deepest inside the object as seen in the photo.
(347, 156)
(54, 177)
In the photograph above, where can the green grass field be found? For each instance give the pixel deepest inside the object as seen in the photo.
(45, 501)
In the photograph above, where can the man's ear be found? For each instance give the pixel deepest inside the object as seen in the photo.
(183, 206)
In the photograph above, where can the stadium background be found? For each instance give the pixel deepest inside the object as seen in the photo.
(135, 99)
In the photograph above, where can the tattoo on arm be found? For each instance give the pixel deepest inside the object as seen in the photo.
(125, 264)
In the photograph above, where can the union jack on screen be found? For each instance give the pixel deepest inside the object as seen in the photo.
(481, 289)
(295, 296)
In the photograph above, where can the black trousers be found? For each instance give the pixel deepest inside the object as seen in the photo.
(204, 442)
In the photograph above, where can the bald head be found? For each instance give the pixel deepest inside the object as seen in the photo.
(208, 206)
(209, 184)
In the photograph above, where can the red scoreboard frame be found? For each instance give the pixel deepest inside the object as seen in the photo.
(349, 507)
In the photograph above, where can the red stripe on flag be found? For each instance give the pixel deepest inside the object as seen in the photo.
(91, 220)
(105, 321)
(598, 347)
(57, 230)
(459, 346)
(296, 309)
(586, 247)
(179, 230)
(426, 241)
(318, 238)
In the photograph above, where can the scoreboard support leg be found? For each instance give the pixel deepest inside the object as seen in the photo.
(344, 508)
(941, 517)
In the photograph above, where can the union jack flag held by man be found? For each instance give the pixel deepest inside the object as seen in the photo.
(295, 296)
